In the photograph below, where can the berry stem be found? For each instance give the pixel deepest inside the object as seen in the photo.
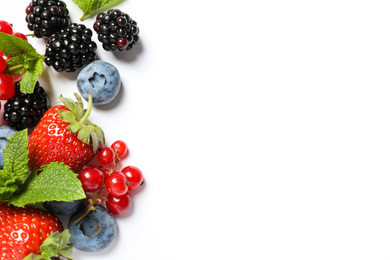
(16, 67)
(88, 111)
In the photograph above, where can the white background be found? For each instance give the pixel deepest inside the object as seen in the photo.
(262, 128)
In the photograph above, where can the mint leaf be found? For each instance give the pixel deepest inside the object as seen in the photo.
(89, 6)
(15, 168)
(14, 46)
(55, 246)
(24, 59)
(55, 182)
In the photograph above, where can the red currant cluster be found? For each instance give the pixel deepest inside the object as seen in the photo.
(98, 180)
(7, 81)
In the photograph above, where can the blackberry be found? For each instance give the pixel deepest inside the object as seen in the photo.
(45, 17)
(71, 48)
(116, 30)
(26, 110)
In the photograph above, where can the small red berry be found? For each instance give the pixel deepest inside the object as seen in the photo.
(91, 178)
(3, 64)
(118, 205)
(120, 148)
(134, 176)
(20, 35)
(7, 89)
(106, 156)
(116, 184)
(5, 27)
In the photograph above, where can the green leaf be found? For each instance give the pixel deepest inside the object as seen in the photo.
(56, 245)
(14, 46)
(16, 155)
(90, 6)
(30, 78)
(55, 182)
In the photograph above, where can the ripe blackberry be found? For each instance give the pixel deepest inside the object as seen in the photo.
(45, 17)
(116, 30)
(71, 48)
(26, 110)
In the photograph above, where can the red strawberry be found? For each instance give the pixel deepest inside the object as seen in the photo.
(65, 135)
(23, 230)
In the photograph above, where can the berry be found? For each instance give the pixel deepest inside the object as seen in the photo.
(26, 110)
(70, 49)
(63, 207)
(93, 232)
(45, 17)
(5, 133)
(118, 205)
(101, 79)
(3, 64)
(5, 27)
(120, 149)
(106, 156)
(116, 30)
(20, 35)
(7, 89)
(134, 177)
(24, 232)
(91, 178)
(116, 184)
(51, 141)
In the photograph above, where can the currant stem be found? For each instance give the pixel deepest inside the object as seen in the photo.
(92, 202)
(16, 67)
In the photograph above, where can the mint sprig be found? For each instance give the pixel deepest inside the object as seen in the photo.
(55, 182)
(55, 246)
(90, 6)
(24, 59)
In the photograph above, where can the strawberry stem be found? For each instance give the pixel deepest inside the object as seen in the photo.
(88, 111)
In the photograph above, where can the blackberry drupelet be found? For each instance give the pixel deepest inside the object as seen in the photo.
(116, 30)
(26, 110)
(45, 17)
(71, 48)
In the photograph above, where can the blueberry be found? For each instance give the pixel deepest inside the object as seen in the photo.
(95, 231)
(101, 79)
(5, 133)
(63, 207)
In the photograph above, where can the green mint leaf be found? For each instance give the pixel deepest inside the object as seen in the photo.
(90, 6)
(55, 182)
(56, 245)
(30, 78)
(14, 46)
(16, 156)
(16, 65)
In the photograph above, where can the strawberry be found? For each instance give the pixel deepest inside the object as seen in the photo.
(65, 134)
(23, 230)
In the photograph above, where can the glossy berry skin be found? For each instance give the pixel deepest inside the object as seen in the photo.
(91, 178)
(20, 35)
(106, 156)
(7, 89)
(116, 184)
(95, 231)
(101, 79)
(120, 149)
(63, 207)
(118, 205)
(5, 133)
(50, 141)
(24, 229)
(5, 27)
(134, 177)
(3, 64)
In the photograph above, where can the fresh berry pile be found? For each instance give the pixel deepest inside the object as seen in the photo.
(53, 160)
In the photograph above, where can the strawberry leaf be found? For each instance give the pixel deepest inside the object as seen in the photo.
(55, 182)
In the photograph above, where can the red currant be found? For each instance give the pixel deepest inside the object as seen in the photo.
(7, 89)
(5, 27)
(20, 35)
(116, 184)
(134, 177)
(118, 205)
(120, 148)
(106, 156)
(3, 64)
(91, 178)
